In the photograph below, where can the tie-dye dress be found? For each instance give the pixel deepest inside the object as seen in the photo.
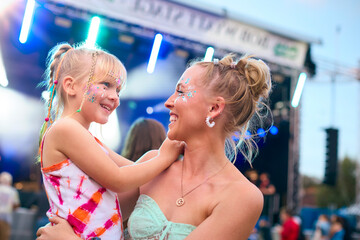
(91, 210)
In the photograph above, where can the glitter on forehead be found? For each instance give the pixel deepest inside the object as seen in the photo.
(118, 77)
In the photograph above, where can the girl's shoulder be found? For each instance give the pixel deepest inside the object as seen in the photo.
(65, 126)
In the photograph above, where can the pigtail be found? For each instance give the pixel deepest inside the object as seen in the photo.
(55, 60)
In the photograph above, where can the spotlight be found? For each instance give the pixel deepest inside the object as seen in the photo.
(93, 32)
(261, 132)
(209, 54)
(298, 90)
(149, 110)
(274, 130)
(26, 24)
(154, 53)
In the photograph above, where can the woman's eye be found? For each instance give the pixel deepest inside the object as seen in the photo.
(180, 93)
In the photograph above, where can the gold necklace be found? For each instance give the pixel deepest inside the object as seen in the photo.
(181, 201)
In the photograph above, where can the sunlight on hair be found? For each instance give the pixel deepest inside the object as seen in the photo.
(108, 133)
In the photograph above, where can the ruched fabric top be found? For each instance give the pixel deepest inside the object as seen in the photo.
(148, 222)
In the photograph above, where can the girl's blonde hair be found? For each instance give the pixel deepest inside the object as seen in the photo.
(78, 62)
(245, 85)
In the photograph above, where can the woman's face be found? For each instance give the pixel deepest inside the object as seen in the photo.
(188, 105)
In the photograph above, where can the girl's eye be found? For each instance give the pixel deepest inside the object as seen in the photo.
(106, 84)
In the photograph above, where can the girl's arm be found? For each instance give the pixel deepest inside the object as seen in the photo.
(234, 217)
(128, 199)
(60, 231)
(71, 139)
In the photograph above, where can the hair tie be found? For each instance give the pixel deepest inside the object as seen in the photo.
(233, 65)
(216, 61)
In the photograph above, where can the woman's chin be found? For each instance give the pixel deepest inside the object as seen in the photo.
(170, 135)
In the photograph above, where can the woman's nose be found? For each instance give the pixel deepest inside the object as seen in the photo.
(169, 102)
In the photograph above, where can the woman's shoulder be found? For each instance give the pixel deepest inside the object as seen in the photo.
(241, 190)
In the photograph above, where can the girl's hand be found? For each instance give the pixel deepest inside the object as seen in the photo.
(60, 229)
(171, 149)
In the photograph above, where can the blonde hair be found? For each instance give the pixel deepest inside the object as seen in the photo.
(76, 61)
(245, 85)
(145, 134)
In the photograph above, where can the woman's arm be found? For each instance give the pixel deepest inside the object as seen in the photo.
(60, 231)
(234, 217)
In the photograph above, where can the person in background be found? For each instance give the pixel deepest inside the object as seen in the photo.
(253, 176)
(202, 195)
(290, 228)
(340, 229)
(145, 134)
(9, 201)
(268, 190)
(265, 186)
(322, 228)
(40, 203)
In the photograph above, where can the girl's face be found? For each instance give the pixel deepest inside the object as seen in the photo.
(102, 98)
(188, 105)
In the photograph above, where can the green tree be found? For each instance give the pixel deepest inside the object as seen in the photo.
(343, 194)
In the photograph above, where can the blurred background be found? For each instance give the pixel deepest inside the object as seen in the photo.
(310, 154)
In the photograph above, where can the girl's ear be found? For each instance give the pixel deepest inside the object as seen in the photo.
(69, 85)
(217, 107)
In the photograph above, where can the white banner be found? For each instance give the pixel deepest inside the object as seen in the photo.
(200, 26)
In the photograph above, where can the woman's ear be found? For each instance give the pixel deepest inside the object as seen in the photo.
(217, 107)
(69, 85)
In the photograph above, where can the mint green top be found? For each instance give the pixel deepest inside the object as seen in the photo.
(147, 221)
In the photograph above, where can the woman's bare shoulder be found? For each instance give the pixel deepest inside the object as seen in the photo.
(241, 190)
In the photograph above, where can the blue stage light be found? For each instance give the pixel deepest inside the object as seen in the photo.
(274, 130)
(26, 24)
(154, 53)
(261, 132)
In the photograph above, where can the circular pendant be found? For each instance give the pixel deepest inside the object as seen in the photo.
(180, 202)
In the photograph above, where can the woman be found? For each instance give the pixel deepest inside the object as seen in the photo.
(202, 196)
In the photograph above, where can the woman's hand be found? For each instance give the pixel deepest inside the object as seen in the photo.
(58, 229)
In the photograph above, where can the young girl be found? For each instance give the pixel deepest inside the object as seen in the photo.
(81, 175)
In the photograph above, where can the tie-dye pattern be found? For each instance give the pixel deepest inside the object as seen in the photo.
(92, 210)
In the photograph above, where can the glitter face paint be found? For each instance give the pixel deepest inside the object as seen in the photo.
(185, 90)
(91, 93)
